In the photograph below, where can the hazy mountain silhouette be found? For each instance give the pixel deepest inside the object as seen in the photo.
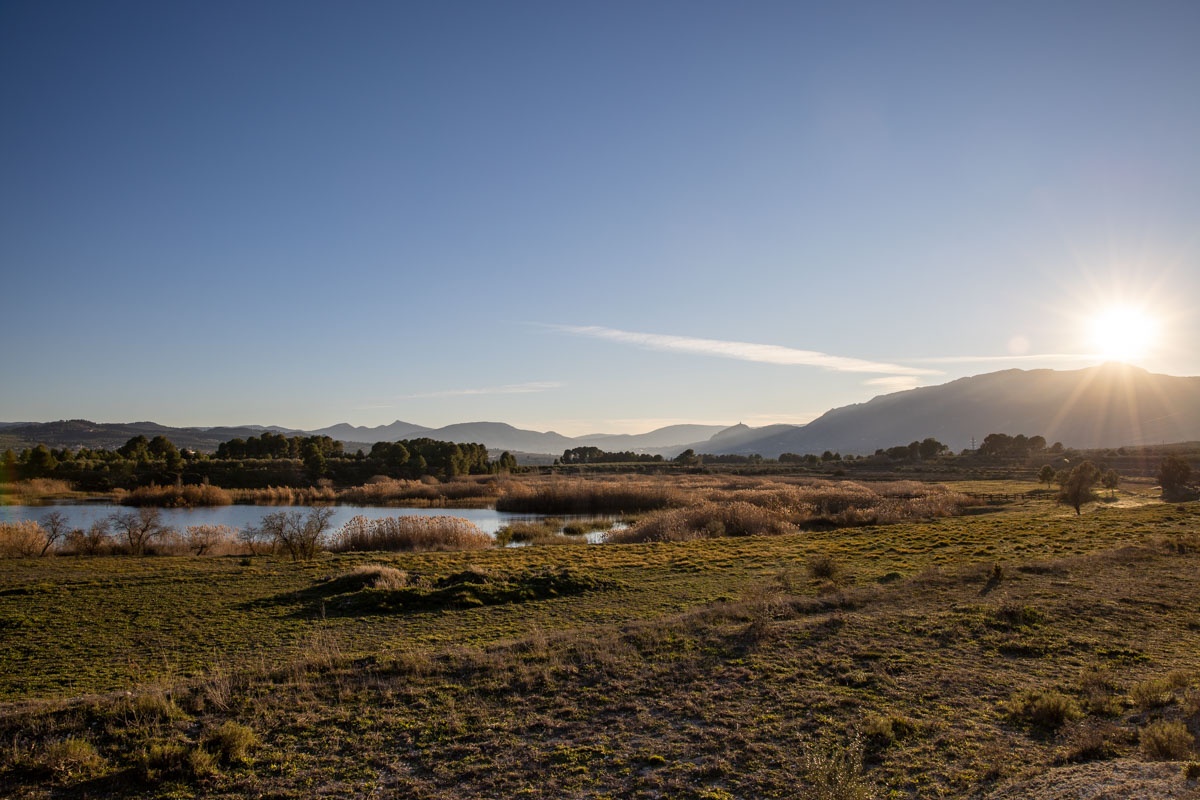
(1105, 406)
(668, 436)
(359, 433)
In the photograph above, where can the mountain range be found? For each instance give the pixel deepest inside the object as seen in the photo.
(1105, 406)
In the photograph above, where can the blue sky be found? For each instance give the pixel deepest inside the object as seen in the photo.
(581, 216)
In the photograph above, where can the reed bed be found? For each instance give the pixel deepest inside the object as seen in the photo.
(284, 495)
(410, 534)
(704, 521)
(387, 491)
(589, 497)
(185, 496)
(34, 490)
(22, 539)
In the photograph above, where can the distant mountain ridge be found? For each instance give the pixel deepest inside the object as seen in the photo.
(1105, 406)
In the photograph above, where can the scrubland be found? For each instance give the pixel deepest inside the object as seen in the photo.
(1007, 651)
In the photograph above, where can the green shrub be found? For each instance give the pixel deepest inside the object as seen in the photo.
(177, 760)
(1191, 771)
(1166, 740)
(1152, 693)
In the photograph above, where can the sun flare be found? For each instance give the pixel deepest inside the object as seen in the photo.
(1122, 333)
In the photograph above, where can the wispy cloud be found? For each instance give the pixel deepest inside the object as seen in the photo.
(1077, 357)
(511, 388)
(742, 351)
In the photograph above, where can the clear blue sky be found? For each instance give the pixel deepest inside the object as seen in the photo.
(302, 213)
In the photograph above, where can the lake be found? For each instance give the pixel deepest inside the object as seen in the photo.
(81, 515)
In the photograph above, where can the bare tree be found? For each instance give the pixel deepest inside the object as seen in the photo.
(139, 528)
(90, 542)
(54, 526)
(302, 537)
(202, 538)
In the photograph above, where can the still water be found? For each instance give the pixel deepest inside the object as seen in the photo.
(81, 515)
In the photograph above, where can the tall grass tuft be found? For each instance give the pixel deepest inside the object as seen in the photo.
(410, 534)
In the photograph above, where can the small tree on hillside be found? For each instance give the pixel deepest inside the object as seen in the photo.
(1046, 475)
(1173, 475)
(1077, 488)
(1110, 480)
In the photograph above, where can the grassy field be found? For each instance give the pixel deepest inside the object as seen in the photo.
(713, 668)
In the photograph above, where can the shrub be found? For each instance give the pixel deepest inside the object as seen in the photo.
(822, 567)
(1152, 693)
(231, 742)
(302, 537)
(92, 542)
(410, 534)
(209, 539)
(72, 758)
(1166, 740)
(1046, 710)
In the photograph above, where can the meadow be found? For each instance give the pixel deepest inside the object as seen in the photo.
(951, 656)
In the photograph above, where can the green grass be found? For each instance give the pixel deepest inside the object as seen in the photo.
(713, 668)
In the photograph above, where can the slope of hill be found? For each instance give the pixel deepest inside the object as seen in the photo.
(1105, 406)
(381, 433)
(669, 436)
(76, 433)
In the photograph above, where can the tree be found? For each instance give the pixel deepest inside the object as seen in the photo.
(54, 525)
(139, 528)
(301, 537)
(41, 462)
(136, 449)
(1173, 475)
(930, 448)
(506, 463)
(1110, 480)
(1046, 475)
(1077, 488)
(687, 457)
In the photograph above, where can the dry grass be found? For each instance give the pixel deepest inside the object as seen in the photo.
(387, 491)
(589, 497)
(21, 539)
(32, 491)
(186, 496)
(284, 495)
(410, 534)
(704, 521)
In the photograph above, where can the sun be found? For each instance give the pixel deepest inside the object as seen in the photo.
(1123, 333)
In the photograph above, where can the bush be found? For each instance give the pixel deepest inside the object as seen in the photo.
(835, 773)
(1166, 741)
(72, 758)
(1152, 693)
(410, 534)
(822, 567)
(231, 742)
(178, 760)
(1046, 710)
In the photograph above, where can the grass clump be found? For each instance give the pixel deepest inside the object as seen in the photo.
(1044, 710)
(410, 534)
(833, 772)
(1166, 740)
(231, 742)
(704, 521)
(177, 760)
(1150, 694)
(371, 576)
(72, 758)
(589, 497)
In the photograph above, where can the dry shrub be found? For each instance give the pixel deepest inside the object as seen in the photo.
(704, 521)
(823, 567)
(1151, 693)
(92, 542)
(186, 496)
(21, 539)
(835, 772)
(415, 533)
(588, 497)
(1166, 740)
(1046, 710)
(231, 742)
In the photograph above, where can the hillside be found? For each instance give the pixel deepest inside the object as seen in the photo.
(1105, 406)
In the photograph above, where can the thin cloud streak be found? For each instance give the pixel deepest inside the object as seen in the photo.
(512, 388)
(894, 383)
(742, 351)
(1081, 357)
